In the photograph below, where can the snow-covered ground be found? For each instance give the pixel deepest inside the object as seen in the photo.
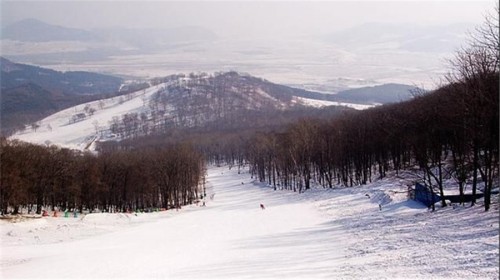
(369, 232)
(61, 130)
(322, 103)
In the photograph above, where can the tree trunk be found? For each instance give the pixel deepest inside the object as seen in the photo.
(474, 174)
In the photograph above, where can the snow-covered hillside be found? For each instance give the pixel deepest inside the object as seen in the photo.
(323, 103)
(175, 101)
(369, 232)
(76, 128)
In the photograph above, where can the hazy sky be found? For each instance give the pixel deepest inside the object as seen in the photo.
(227, 18)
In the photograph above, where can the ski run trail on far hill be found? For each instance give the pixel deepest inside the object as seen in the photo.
(370, 232)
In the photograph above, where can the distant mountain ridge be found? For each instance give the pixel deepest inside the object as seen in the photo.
(381, 94)
(32, 30)
(371, 95)
(71, 83)
(81, 46)
(29, 93)
(409, 37)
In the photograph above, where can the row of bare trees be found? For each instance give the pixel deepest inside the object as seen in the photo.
(437, 132)
(37, 176)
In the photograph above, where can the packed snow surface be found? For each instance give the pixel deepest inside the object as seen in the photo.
(370, 232)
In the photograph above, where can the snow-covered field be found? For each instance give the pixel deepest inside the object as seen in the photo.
(330, 234)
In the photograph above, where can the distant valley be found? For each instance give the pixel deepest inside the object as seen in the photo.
(331, 64)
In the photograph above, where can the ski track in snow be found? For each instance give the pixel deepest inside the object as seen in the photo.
(329, 234)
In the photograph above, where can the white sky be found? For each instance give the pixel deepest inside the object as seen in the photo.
(228, 18)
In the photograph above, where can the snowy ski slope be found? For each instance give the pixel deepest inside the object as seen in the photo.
(327, 234)
(59, 128)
